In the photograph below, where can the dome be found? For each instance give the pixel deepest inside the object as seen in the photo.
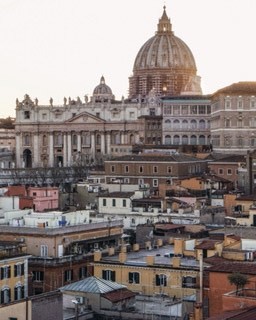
(102, 92)
(164, 63)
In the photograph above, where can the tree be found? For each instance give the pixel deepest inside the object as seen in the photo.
(238, 279)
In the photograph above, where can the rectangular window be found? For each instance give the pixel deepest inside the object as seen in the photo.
(112, 168)
(68, 275)
(227, 104)
(109, 275)
(188, 282)
(155, 182)
(5, 272)
(155, 169)
(240, 104)
(229, 171)
(44, 116)
(141, 169)
(221, 171)
(132, 115)
(126, 169)
(44, 250)
(113, 202)
(202, 110)
(82, 272)
(124, 202)
(161, 280)
(26, 114)
(104, 202)
(134, 277)
(19, 270)
(37, 276)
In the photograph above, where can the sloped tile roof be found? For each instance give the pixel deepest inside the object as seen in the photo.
(207, 244)
(119, 295)
(234, 266)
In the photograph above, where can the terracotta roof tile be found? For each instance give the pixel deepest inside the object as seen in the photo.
(234, 266)
(119, 295)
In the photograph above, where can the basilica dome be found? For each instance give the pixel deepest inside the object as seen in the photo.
(102, 92)
(164, 63)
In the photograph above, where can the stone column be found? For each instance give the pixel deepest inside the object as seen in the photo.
(51, 150)
(69, 149)
(103, 147)
(36, 150)
(65, 160)
(122, 137)
(93, 144)
(79, 139)
(108, 143)
(18, 150)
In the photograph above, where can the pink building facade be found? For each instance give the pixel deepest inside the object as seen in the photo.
(44, 199)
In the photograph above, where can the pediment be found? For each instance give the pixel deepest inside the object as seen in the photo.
(85, 117)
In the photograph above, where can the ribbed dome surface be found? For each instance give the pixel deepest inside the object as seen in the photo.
(164, 63)
(165, 51)
(102, 88)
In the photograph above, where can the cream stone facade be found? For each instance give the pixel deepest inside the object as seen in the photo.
(76, 131)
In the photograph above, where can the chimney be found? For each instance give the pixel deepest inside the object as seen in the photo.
(97, 256)
(159, 242)
(123, 249)
(122, 257)
(176, 262)
(111, 251)
(178, 246)
(148, 245)
(136, 247)
(150, 260)
(171, 240)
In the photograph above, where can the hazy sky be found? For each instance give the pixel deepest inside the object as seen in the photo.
(57, 48)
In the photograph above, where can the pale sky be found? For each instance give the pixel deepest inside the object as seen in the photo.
(57, 48)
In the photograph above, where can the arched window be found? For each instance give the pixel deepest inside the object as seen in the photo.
(201, 139)
(176, 124)
(134, 277)
(26, 139)
(202, 124)
(167, 121)
(193, 124)
(58, 139)
(74, 140)
(98, 139)
(193, 140)
(167, 139)
(44, 140)
(5, 295)
(109, 275)
(19, 292)
(184, 139)
(176, 140)
(161, 280)
(184, 124)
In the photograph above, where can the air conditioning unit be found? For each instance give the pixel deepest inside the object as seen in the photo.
(80, 300)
